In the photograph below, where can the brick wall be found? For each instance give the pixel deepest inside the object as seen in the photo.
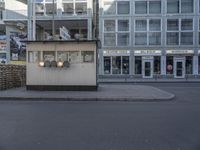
(12, 76)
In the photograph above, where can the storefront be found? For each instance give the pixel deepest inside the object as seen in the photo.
(62, 65)
(147, 63)
(179, 63)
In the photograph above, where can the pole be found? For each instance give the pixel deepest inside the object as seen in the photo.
(53, 21)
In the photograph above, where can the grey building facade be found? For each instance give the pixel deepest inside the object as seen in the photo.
(149, 38)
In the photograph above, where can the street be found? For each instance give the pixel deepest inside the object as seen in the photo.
(43, 125)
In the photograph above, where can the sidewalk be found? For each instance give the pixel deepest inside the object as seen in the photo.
(106, 92)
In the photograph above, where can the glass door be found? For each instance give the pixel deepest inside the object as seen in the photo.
(179, 69)
(147, 69)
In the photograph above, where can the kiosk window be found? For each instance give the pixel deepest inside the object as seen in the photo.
(63, 56)
(48, 56)
(74, 57)
(87, 56)
(33, 57)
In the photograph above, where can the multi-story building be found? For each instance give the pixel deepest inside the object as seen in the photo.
(149, 38)
(46, 20)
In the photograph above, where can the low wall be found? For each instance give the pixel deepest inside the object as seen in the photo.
(12, 76)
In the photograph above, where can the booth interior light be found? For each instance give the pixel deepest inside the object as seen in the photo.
(60, 64)
(41, 64)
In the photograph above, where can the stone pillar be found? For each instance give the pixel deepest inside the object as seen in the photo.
(163, 65)
(195, 65)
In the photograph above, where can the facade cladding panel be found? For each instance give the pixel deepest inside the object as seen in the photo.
(150, 38)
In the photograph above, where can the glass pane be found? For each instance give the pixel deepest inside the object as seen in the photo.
(33, 57)
(87, 56)
(48, 56)
(123, 39)
(140, 25)
(187, 38)
(49, 8)
(109, 7)
(109, 25)
(81, 8)
(172, 38)
(169, 63)
(109, 39)
(107, 65)
(154, 7)
(186, 24)
(186, 6)
(172, 25)
(172, 6)
(116, 65)
(199, 64)
(141, 7)
(157, 65)
(39, 8)
(140, 38)
(189, 64)
(125, 64)
(154, 25)
(179, 69)
(199, 38)
(147, 66)
(74, 57)
(123, 7)
(68, 8)
(123, 25)
(63, 56)
(138, 65)
(155, 38)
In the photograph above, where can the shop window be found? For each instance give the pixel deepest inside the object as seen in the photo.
(154, 7)
(109, 25)
(125, 64)
(138, 65)
(33, 57)
(116, 65)
(141, 7)
(123, 7)
(157, 64)
(107, 65)
(87, 56)
(169, 65)
(189, 64)
(172, 6)
(48, 56)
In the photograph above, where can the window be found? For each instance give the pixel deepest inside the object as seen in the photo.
(169, 63)
(141, 7)
(187, 6)
(199, 64)
(141, 38)
(186, 38)
(123, 25)
(74, 57)
(186, 24)
(125, 64)
(109, 7)
(63, 56)
(141, 25)
(39, 9)
(154, 32)
(107, 65)
(68, 8)
(172, 24)
(123, 39)
(199, 29)
(81, 8)
(109, 25)
(154, 7)
(138, 65)
(189, 64)
(155, 38)
(49, 56)
(50, 8)
(157, 65)
(172, 38)
(172, 6)
(123, 7)
(109, 39)
(154, 25)
(87, 56)
(116, 65)
(33, 57)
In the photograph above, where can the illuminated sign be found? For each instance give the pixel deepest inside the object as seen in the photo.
(147, 52)
(180, 52)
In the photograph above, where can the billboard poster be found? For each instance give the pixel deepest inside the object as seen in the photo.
(3, 58)
(18, 46)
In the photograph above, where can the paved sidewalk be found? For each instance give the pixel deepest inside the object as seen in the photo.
(106, 92)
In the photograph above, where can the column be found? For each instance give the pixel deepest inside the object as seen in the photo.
(163, 65)
(195, 65)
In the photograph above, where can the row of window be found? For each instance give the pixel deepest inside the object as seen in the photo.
(148, 7)
(120, 65)
(148, 32)
(70, 56)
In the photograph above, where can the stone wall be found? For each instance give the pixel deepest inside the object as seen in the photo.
(12, 76)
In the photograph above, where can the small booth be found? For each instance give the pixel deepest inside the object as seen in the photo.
(62, 65)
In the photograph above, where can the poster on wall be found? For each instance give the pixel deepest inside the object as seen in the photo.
(18, 46)
(3, 58)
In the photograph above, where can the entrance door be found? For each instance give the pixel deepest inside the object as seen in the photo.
(147, 69)
(179, 69)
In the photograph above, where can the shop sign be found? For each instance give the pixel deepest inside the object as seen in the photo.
(180, 52)
(147, 52)
(116, 52)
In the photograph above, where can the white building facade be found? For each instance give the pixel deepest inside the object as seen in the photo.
(149, 38)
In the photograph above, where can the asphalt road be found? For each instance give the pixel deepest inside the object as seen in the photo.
(172, 125)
